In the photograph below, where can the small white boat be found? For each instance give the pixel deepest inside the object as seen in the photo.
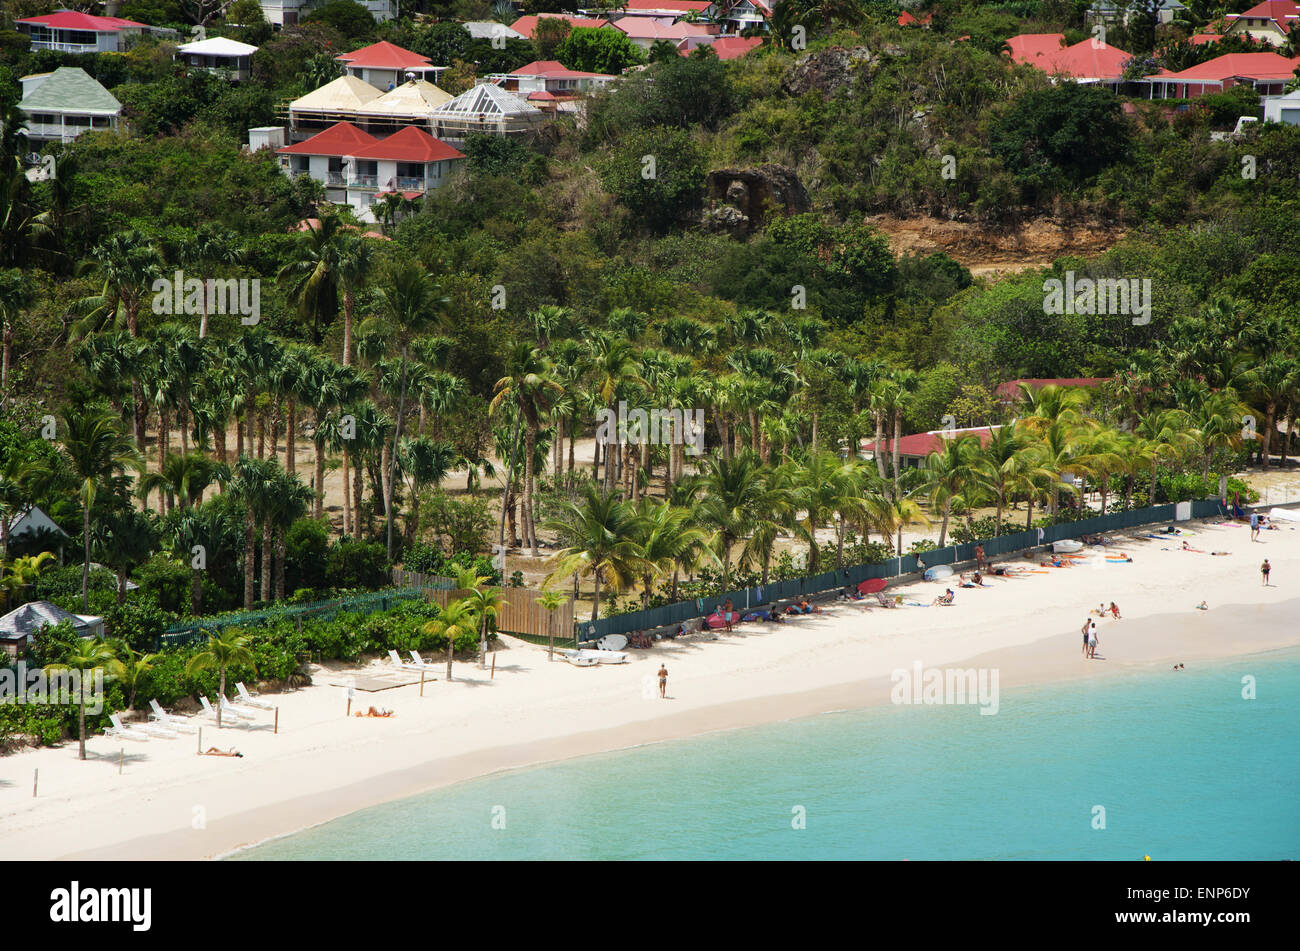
(580, 658)
(612, 642)
(1067, 546)
(588, 658)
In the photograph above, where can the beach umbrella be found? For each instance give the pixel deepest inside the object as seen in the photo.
(872, 585)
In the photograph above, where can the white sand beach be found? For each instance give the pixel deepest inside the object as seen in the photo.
(168, 802)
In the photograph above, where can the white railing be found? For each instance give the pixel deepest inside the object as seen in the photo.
(65, 47)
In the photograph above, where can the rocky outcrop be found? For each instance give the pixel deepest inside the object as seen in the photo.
(826, 70)
(725, 219)
(754, 193)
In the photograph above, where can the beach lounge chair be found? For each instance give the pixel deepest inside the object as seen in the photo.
(148, 729)
(118, 731)
(248, 700)
(170, 721)
(229, 709)
(396, 658)
(884, 601)
(421, 663)
(227, 717)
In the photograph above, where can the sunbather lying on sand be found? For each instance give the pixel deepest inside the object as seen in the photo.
(803, 607)
(213, 751)
(372, 712)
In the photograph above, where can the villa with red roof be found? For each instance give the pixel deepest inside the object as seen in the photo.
(355, 167)
(1087, 61)
(70, 32)
(386, 65)
(1268, 73)
(646, 31)
(1268, 21)
(915, 449)
(528, 25)
(746, 13)
(724, 47)
(550, 76)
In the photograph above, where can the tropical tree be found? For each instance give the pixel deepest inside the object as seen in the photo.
(17, 293)
(124, 537)
(952, 475)
(223, 651)
(822, 486)
(665, 537)
(551, 601)
(453, 621)
(530, 385)
(87, 656)
(311, 278)
(95, 450)
(733, 498)
(599, 537)
(134, 665)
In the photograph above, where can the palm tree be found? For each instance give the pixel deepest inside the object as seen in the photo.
(422, 462)
(129, 264)
(135, 665)
(21, 573)
(223, 651)
(87, 656)
(125, 537)
(1165, 433)
(664, 537)
(529, 384)
(254, 486)
(184, 476)
(551, 601)
(599, 537)
(950, 474)
(354, 258)
(409, 301)
(1219, 420)
(1002, 463)
(290, 501)
(209, 246)
(312, 277)
(820, 487)
(453, 621)
(94, 449)
(733, 495)
(485, 602)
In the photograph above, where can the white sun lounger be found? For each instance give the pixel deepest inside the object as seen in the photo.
(118, 731)
(248, 700)
(149, 729)
(233, 709)
(396, 658)
(171, 721)
(210, 711)
(420, 662)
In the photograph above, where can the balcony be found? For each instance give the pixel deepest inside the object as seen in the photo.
(58, 47)
(363, 181)
(410, 184)
(57, 131)
(335, 178)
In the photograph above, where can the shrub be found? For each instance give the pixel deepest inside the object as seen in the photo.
(307, 550)
(165, 580)
(356, 564)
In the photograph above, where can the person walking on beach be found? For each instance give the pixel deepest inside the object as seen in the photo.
(663, 682)
(1264, 569)
(980, 563)
(1092, 640)
(1086, 624)
(1254, 527)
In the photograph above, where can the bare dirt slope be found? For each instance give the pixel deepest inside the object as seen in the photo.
(989, 252)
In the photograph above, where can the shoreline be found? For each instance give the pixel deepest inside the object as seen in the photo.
(169, 803)
(1017, 666)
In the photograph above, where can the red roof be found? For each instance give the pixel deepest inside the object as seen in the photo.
(384, 55)
(411, 144)
(922, 444)
(342, 138)
(1011, 388)
(1200, 39)
(734, 47)
(541, 95)
(1282, 12)
(1238, 65)
(526, 25)
(647, 28)
(1028, 47)
(906, 19)
(71, 20)
(682, 6)
(1089, 59)
(554, 69)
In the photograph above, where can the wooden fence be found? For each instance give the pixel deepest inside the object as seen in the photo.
(520, 612)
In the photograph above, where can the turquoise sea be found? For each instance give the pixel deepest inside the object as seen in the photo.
(1182, 765)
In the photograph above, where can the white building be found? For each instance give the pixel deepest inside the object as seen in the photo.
(386, 66)
(356, 168)
(65, 103)
(220, 56)
(1283, 108)
(68, 31)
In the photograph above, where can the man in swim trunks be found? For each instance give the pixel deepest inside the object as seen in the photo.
(1264, 569)
(1092, 640)
(1086, 625)
(980, 563)
(663, 681)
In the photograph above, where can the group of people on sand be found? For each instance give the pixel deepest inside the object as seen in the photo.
(1090, 638)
